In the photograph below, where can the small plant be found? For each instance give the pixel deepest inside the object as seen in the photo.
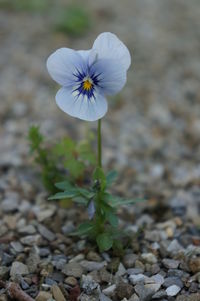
(63, 159)
(86, 77)
(101, 206)
(73, 20)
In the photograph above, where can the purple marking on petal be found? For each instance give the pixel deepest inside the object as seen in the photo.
(91, 210)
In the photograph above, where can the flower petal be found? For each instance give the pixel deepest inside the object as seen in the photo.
(81, 107)
(108, 46)
(63, 63)
(89, 56)
(111, 78)
(85, 54)
(91, 210)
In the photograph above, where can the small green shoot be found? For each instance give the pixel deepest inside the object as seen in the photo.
(75, 158)
(73, 20)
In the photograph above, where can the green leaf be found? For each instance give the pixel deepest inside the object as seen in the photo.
(112, 218)
(80, 200)
(83, 229)
(117, 201)
(100, 176)
(104, 242)
(86, 193)
(64, 195)
(65, 185)
(110, 177)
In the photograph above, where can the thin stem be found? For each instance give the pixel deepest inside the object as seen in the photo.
(99, 144)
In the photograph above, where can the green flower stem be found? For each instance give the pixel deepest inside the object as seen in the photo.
(99, 144)
(99, 164)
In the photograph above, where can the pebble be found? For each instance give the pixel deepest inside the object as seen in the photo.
(93, 256)
(154, 287)
(192, 297)
(17, 246)
(50, 281)
(194, 287)
(7, 259)
(194, 264)
(159, 295)
(44, 252)
(113, 265)
(154, 236)
(155, 268)
(4, 272)
(33, 260)
(173, 280)
(134, 271)
(124, 290)
(18, 268)
(71, 281)
(10, 204)
(92, 265)
(129, 260)
(59, 261)
(121, 270)
(103, 297)
(57, 276)
(139, 265)
(144, 293)
(3, 229)
(44, 296)
(105, 276)
(46, 233)
(109, 291)
(30, 229)
(145, 219)
(42, 215)
(77, 258)
(57, 293)
(84, 297)
(31, 240)
(139, 278)
(24, 285)
(73, 269)
(170, 263)
(134, 297)
(149, 258)
(173, 290)
(3, 297)
(88, 284)
(68, 228)
(11, 221)
(159, 279)
(175, 273)
(174, 247)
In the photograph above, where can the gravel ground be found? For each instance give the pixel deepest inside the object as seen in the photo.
(151, 136)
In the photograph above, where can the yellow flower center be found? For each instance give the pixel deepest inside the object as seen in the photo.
(87, 85)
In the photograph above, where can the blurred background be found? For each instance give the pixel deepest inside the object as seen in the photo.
(151, 133)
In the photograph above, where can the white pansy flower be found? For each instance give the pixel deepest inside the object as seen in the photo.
(87, 76)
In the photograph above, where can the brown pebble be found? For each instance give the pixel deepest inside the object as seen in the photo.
(194, 265)
(71, 281)
(57, 293)
(43, 296)
(124, 290)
